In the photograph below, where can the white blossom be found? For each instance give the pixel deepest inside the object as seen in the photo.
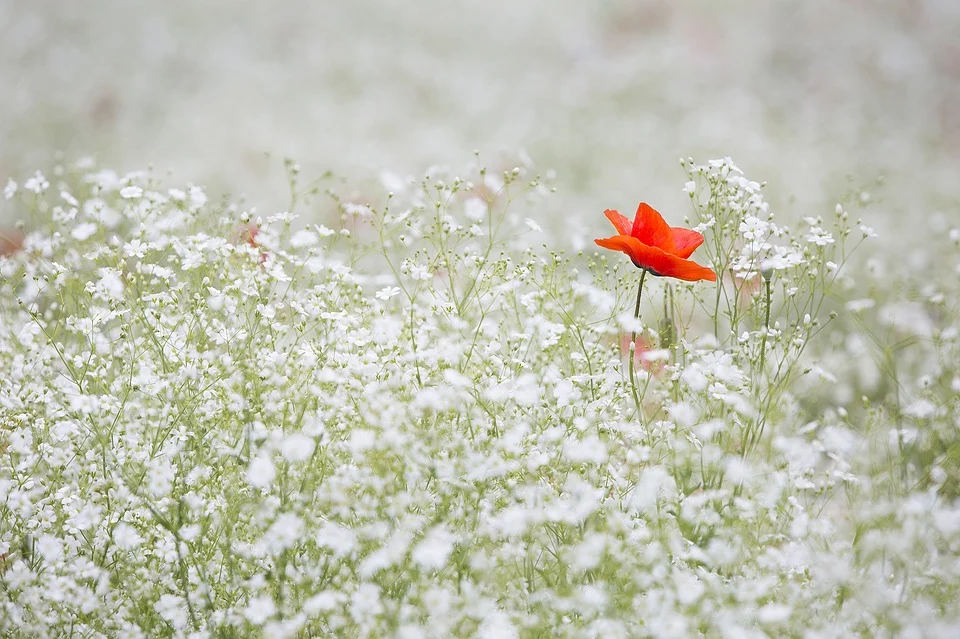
(84, 231)
(36, 184)
(261, 472)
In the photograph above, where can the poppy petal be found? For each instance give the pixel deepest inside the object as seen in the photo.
(620, 221)
(688, 270)
(622, 243)
(650, 228)
(686, 241)
(657, 260)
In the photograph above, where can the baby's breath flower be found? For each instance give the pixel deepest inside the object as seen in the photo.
(261, 472)
(131, 192)
(36, 184)
(387, 293)
(818, 236)
(199, 442)
(83, 231)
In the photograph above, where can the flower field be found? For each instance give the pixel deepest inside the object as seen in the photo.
(482, 397)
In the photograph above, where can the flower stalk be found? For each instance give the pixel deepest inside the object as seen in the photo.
(766, 319)
(633, 343)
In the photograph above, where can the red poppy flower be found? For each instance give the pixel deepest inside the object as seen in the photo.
(655, 246)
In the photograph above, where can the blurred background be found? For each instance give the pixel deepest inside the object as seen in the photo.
(609, 94)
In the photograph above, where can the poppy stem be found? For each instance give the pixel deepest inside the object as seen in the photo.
(633, 344)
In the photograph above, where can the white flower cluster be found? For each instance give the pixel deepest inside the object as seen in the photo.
(396, 425)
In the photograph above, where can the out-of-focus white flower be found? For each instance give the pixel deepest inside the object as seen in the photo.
(131, 192)
(432, 552)
(36, 184)
(297, 447)
(261, 472)
(260, 609)
(388, 292)
(126, 536)
(83, 231)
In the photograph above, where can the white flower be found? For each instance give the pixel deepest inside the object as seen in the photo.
(338, 539)
(315, 264)
(284, 533)
(654, 484)
(10, 189)
(773, 613)
(162, 272)
(261, 472)
(390, 554)
(432, 553)
(589, 449)
(388, 292)
(160, 477)
(297, 447)
(303, 238)
(50, 548)
(497, 625)
(131, 192)
(135, 248)
(260, 609)
(858, 306)
(110, 285)
(28, 333)
(753, 228)
(267, 311)
(173, 610)
(921, 409)
(566, 393)
(37, 184)
(947, 520)
(69, 199)
(358, 210)
(365, 603)
(782, 258)
(197, 198)
(420, 272)
(83, 231)
(324, 601)
(550, 333)
(818, 236)
(475, 208)
(126, 536)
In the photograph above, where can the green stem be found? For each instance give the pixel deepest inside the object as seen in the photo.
(633, 344)
(766, 326)
(754, 437)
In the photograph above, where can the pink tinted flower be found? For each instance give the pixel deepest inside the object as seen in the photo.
(745, 287)
(248, 233)
(644, 355)
(11, 242)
